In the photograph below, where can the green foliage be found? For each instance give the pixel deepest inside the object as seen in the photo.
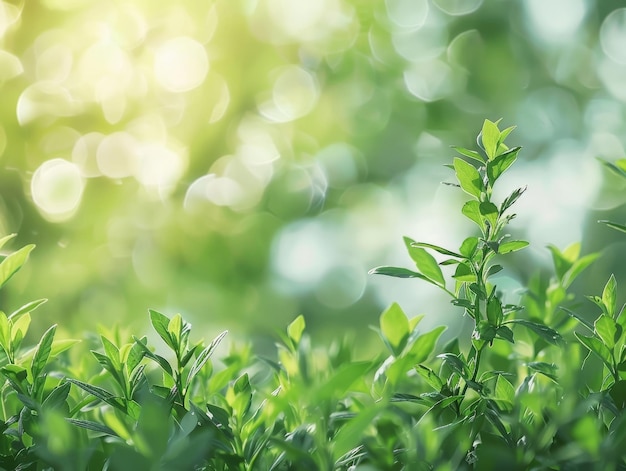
(523, 390)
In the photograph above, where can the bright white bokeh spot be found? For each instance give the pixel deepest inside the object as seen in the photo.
(425, 43)
(118, 155)
(181, 64)
(339, 163)
(613, 35)
(9, 14)
(429, 81)
(55, 63)
(57, 188)
(407, 13)
(303, 19)
(256, 147)
(556, 20)
(10, 66)
(611, 74)
(45, 99)
(458, 7)
(159, 167)
(84, 154)
(220, 191)
(295, 93)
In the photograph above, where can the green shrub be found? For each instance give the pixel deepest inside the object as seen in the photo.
(535, 385)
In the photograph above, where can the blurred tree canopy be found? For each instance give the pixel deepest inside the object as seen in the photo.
(244, 161)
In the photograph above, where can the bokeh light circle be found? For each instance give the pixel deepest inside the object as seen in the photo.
(57, 189)
(613, 35)
(180, 64)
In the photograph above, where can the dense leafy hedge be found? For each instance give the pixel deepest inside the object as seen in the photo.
(537, 386)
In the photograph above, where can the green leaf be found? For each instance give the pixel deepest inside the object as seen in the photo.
(133, 358)
(504, 392)
(436, 248)
(511, 199)
(512, 246)
(472, 154)
(505, 333)
(27, 308)
(5, 332)
(501, 163)
(464, 273)
(596, 346)
(160, 324)
(93, 426)
(455, 363)
(351, 434)
(614, 225)
(112, 352)
(579, 318)
(562, 262)
(296, 328)
(57, 397)
(471, 210)
(494, 311)
(546, 369)
(468, 177)
(504, 134)
(394, 326)
(42, 352)
(425, 263)
(618, 167)
(493, 269)
(424, 345)
(490, 137)
(397, 272)
(489, 211)
(162, 362)
(175, 329)
(607, 330)
(5, 239)
(468, 247)
(545, 332)
(618, 394)
(430, 376)
(577, 268)
(204, 356)
(99, 393)
(13, 263)
(609, 296)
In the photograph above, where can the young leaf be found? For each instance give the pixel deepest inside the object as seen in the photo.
(456, 364)
(5, 239)
(471, 210)
(468, 247)
(425, 344)
(505, 333)
(494, 311)
(546, 369)
(394, 325)
(13, 263)
(93, 426)
(607, 330)
(430, 376)
(579, 318)
(436, 248)
(511, 199)
(160, 323)
(112, 352)
(99, 393)
(609, 296)
(175, 329)
(203, 357)
(425, 263)
(490, 137)
(501, 163)
(5, 333)
(397, 272)
(57, 397)
(162, 362)
(296, 328)
(596, 346)
(472, 154)
(27, 308)
(545, 332)
(469, 178)
(577, 268)
(613, 225)
(42, 353)
(512, 246)
(464, 273)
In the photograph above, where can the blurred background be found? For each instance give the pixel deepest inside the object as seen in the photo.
(246, 161)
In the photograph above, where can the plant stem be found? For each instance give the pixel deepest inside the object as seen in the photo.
(476, 367)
